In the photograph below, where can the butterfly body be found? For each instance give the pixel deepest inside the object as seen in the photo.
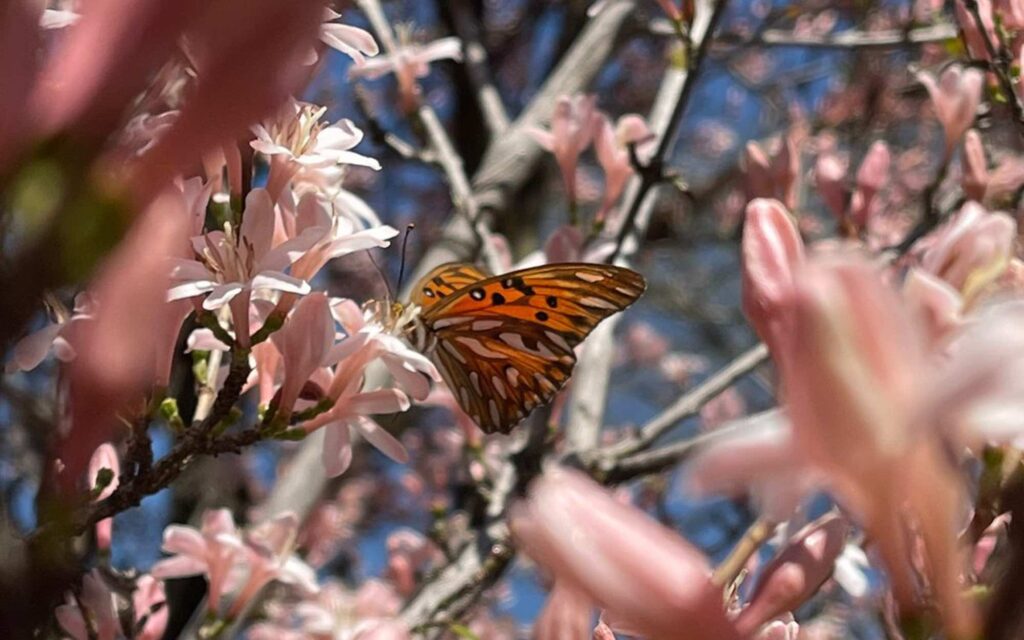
(504, 344)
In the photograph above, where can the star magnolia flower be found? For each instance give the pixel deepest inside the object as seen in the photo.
(269, 557)
(612, 147)
(339, 235)
(410, 62)
(235, 264)
(572, 128)
(955, 95)
(296, 139)
(212, 550)
(411, 370)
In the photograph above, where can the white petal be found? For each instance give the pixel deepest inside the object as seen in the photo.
(382, 440)
(280, 282)
(221, 295)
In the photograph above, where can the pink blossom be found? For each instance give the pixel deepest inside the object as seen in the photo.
(772, 250)
(411, 370)
(352, 41)
(269, 557)
(573, 125)
(975, 173)
(971, 250)
(93, 614)
(566, 614)
(212, 551)
(410, 62)
(149, 603)
(955, 95)
(779, 630)
(350, 404)
(760, 460)
(650, 580)
(645, 345)
(796, 573)
(771, 174)
(338, 613)
(612, 147)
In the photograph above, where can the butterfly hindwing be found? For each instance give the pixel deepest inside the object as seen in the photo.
(504, 344)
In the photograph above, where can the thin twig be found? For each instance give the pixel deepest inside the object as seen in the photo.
(586, 411)
(688, 405)
(849, 39)
(726, 572)
(468, 30)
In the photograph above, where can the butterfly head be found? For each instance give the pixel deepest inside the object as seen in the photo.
(402, 320)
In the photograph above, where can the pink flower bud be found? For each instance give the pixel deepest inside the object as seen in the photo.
(644, 575)
(796, 573)
(829, 173)
(565, 615)
(975, 178)
(772, 250)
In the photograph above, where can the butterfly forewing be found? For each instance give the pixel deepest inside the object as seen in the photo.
(504, 344)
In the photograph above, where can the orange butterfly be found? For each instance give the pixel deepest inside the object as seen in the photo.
(504, 344)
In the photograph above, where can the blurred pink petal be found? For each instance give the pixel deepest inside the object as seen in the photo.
(409, 62)
(796, 573)
(19, 43)
(566, 615)
(771, 173)
(246, 70)
(854, 390)
(937, 304)
(642, 573)
(972, 249)
(771, 250)
(116, 353)
(213, 551)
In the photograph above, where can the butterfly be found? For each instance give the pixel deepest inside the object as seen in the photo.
(504, 344)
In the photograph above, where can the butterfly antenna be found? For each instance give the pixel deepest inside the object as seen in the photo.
(383, 277)
(405, 244)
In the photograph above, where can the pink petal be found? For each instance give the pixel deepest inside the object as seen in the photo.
(337, 452)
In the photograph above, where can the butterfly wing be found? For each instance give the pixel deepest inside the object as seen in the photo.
(444, 281)
(505, 344)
